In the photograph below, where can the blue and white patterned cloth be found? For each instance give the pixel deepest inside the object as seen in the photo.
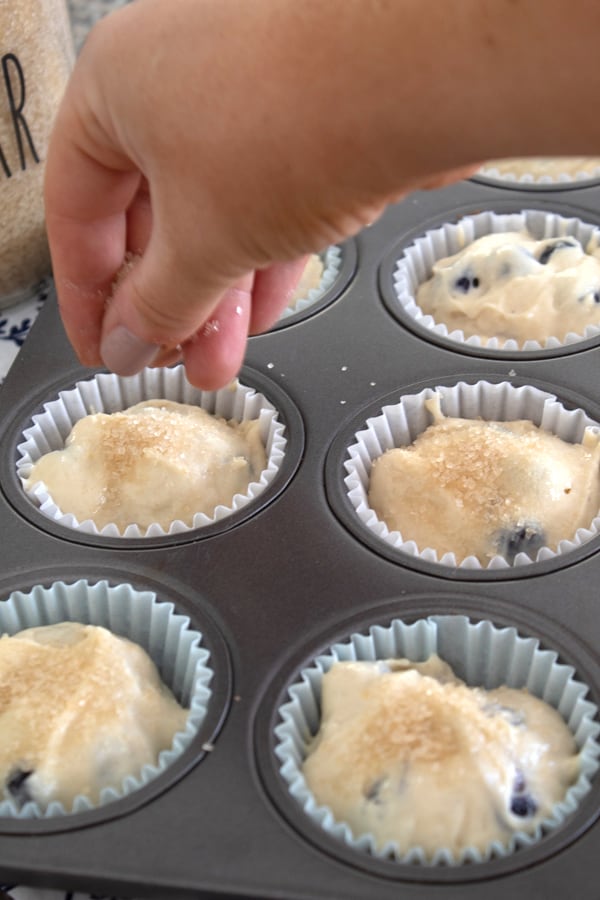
(15, 322)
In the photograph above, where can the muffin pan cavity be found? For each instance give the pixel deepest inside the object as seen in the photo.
(400, 420)
(542, 173)
(280, 430)
(338, 264)
(183, 659)
(482, 654)
(273, 585)
(469, 309)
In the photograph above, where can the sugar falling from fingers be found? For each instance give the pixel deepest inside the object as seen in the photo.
(211, 327)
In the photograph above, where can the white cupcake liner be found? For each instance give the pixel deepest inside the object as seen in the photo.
(481, 654)
(400, 424)
(332, 262)
(417, 262)
(139, 616)
(520, 177)
(110, 393)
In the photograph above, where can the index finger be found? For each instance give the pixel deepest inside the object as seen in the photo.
(86, 205)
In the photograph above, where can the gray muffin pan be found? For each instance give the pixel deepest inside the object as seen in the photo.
(273, 588)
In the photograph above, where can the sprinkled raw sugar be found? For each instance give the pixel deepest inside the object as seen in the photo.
(482, 488)
(155, 462)
(211, 327)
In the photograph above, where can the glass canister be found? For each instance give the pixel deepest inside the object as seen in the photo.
(36, 58)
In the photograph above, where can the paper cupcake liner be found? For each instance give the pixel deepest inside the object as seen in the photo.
(416, 266)
(560, 170)
(482, 655)
(400, 424)
(110, 393)
(332, 261)
(139, 616)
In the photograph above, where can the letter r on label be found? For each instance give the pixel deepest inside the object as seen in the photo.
(10, 61)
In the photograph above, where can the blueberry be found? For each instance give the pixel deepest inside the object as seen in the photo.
(591, 297)
(466, 282)
(553, 245)
(16, 785)
(521, 538)
(513, 716)
(523, 805)
(519, 783)
(372, 792)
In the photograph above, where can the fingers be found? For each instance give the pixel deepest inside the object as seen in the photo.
(216, 352)
(86, 222)
(162, 302)
(139, 220)
(273, 288)
(98, 209)
(86, 200)
(171, 305)
(168, 357)
(157, 307)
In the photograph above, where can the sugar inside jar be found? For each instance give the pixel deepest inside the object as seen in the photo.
(36, 57)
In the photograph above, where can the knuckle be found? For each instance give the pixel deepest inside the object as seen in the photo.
(164, 320)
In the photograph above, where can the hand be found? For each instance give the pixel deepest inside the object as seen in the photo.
(195, 138)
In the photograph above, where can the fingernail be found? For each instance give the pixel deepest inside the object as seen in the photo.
(126, 354)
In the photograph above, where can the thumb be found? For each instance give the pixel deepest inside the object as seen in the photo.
(160, 304)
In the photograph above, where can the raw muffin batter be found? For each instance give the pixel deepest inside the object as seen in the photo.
(509, 285)
(80, 708)
(407, 752)
(477, 488)
(157, 461)
(310, 279)
(551, 166)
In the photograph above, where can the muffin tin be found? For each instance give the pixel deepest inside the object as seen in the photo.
(274, 587)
